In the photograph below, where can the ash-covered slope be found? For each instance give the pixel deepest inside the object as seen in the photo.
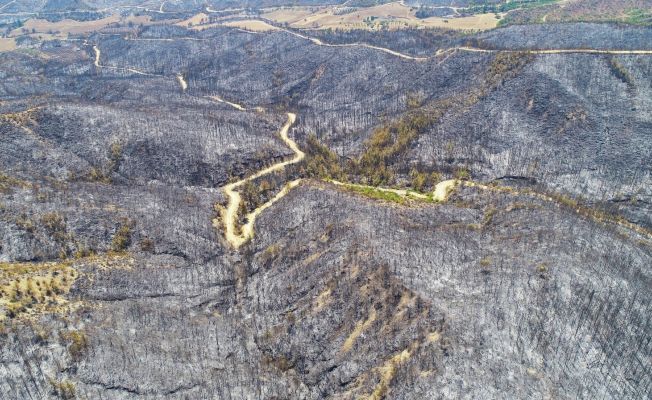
(586, 135)
(340, 296)
(116, 280)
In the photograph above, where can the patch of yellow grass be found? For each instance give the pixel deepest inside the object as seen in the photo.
(288, 15)
(29, 288)
(20, 118)
(313, 257)
(472, 22)
(247, 24)
(387, 371)
(323, 299)
(7, 44)
(390, 15)
(251, 25)
(196, 19)
(434, 337)
(66, 26)
(360, 327)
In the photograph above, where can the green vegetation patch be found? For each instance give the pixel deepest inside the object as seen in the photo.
(28, 288)
(377, 194)
(509, 6)
(8, 183)
(122, 238)
(321, 162)
(637, 16)
(620, 71)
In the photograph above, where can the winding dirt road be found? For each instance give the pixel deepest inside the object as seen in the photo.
(229, 214)
(369, 46)
(182, 82)
(319, 42)
(127, 69)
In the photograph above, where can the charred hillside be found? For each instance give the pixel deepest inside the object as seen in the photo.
(448, 216)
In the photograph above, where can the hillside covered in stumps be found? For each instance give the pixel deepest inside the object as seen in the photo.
(325, 199)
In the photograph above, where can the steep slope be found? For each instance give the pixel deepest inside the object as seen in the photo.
(530, 280)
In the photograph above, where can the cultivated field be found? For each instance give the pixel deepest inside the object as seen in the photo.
(67, 26)
(392, 16)
(251, 25)
(7, 44)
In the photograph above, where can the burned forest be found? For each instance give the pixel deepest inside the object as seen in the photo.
(325, 199)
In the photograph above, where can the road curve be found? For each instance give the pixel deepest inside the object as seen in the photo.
(182, 82)
(229, 213)
(319, 42)
(127, 69)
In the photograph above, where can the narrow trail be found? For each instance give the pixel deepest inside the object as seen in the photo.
(139, 39)
(234, 105)
(229, 214)
(182, 82)
(127, 69)
(318, 42)
(577, 208)
(395, 53)
(441, 52)
(4, 6)
(555, 51)
(97, 56)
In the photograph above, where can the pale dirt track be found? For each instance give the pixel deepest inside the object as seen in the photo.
(439, 194)
(229, 213)
(127, 69)
(182, 82)
(395, 53)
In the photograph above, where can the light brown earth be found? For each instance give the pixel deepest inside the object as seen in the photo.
(68, 26)
(7, 44)
(391, 15)
(251, 25)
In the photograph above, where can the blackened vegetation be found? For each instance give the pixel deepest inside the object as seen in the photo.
(418, 42)
(522, 288)
(383, 161)
(620, 71)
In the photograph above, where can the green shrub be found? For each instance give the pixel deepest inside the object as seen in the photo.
(462, 174)
(505, 65)
(378, 194)
(64, 389)
(97, 175)
(53, 222)
(122, 238)
(78, 343)
(25, 223)
(620, 71)
(7, 183)
(321, 162)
